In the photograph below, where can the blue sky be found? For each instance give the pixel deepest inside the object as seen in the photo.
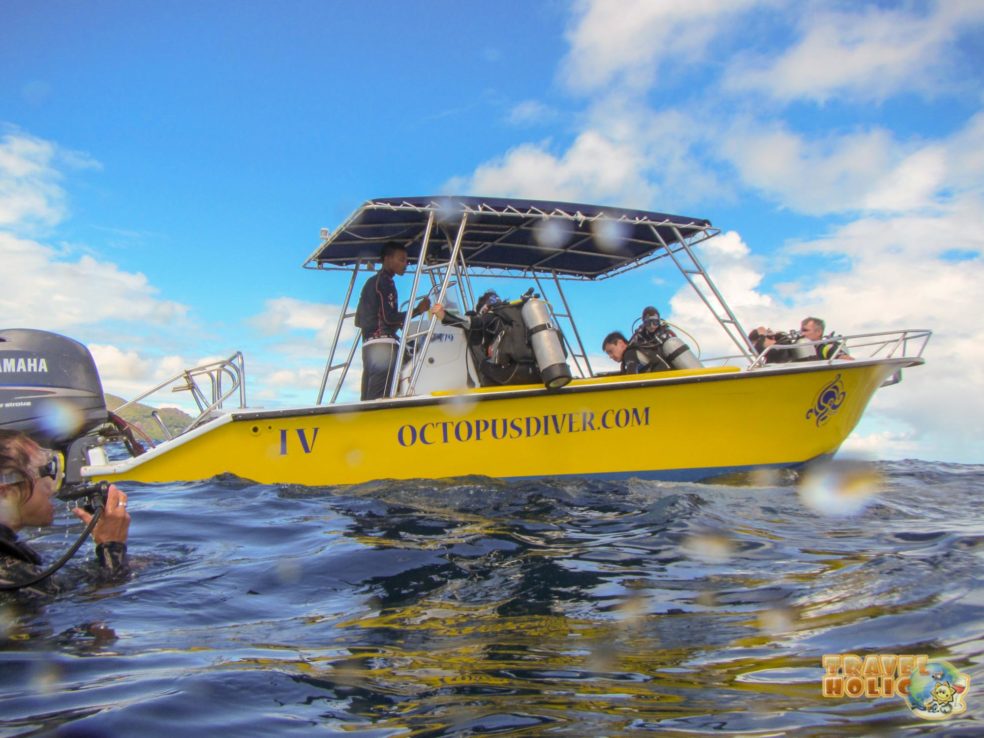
(165, 168)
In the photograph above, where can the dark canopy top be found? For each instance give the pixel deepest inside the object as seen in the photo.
(586, 241)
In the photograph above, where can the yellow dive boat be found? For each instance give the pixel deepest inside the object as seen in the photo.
(445, 416)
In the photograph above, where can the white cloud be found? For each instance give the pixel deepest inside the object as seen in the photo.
(965, 155)
(860, 51)
(900, 277)
(856, 171)
(294, 321)
(627, 42)
(531, 112)
(831, 173)
(30, 193)
(595, 168)
(44, 289)
(738, 275)
(289, 371)
(627, 155)
(118, 365)
(128, 373)
(48, 288)
(287, 313)
(915, 201)
(916, 181)
(882, 445)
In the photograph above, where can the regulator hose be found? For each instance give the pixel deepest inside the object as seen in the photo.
(96, 493)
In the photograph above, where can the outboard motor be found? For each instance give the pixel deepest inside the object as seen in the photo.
(50, 390)
(548, 347)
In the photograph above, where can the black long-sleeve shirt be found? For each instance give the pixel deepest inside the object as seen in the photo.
(378, 315)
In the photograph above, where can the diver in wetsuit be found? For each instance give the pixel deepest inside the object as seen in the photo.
(29, 477)
(630, 359)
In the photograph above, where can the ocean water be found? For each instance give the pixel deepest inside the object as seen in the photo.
(478, 607)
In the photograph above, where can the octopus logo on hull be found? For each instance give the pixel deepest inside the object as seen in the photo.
(829, 399)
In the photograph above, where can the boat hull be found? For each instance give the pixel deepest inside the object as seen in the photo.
(684, 425)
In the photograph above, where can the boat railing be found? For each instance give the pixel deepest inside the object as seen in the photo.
(907, 343)
(210, 386)
(343, 367)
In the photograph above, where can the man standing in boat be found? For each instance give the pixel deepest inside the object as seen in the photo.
(379, 318)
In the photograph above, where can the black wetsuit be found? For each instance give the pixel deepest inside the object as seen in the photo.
(635, 361)
(643, 352)
(825, 350)
(21, 563)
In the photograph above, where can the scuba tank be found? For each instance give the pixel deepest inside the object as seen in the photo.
(678, 354)
(655, 336)
(799, 352)
(548, 348)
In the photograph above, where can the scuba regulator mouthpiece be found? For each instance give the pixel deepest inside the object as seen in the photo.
(95, 492)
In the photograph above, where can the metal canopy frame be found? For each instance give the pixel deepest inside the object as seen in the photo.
(518, 239)
(573, 241)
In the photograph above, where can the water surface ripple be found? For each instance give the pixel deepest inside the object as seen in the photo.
(475, 606)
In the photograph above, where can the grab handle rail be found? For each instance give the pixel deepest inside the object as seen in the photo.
(906, 343)
(229, 372)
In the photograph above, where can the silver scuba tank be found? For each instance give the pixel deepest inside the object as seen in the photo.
(547, 346)
(799, 352)
(678, 354)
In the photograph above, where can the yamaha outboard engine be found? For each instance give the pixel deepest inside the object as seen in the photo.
(548, 347)
(50, 390)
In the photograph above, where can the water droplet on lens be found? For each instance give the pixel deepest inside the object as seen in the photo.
(6, 621)
(553, 233)
(711, 548)
(459, 406)
(776, 621)
(633, 609)
(610, 235)
(61, 419)
(45, 677)
(603, 657)
(288, 571)
(839, 489)
(448, 211)
(707, 598)
(765, 477)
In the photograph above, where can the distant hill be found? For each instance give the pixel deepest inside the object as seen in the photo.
(141, 416)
